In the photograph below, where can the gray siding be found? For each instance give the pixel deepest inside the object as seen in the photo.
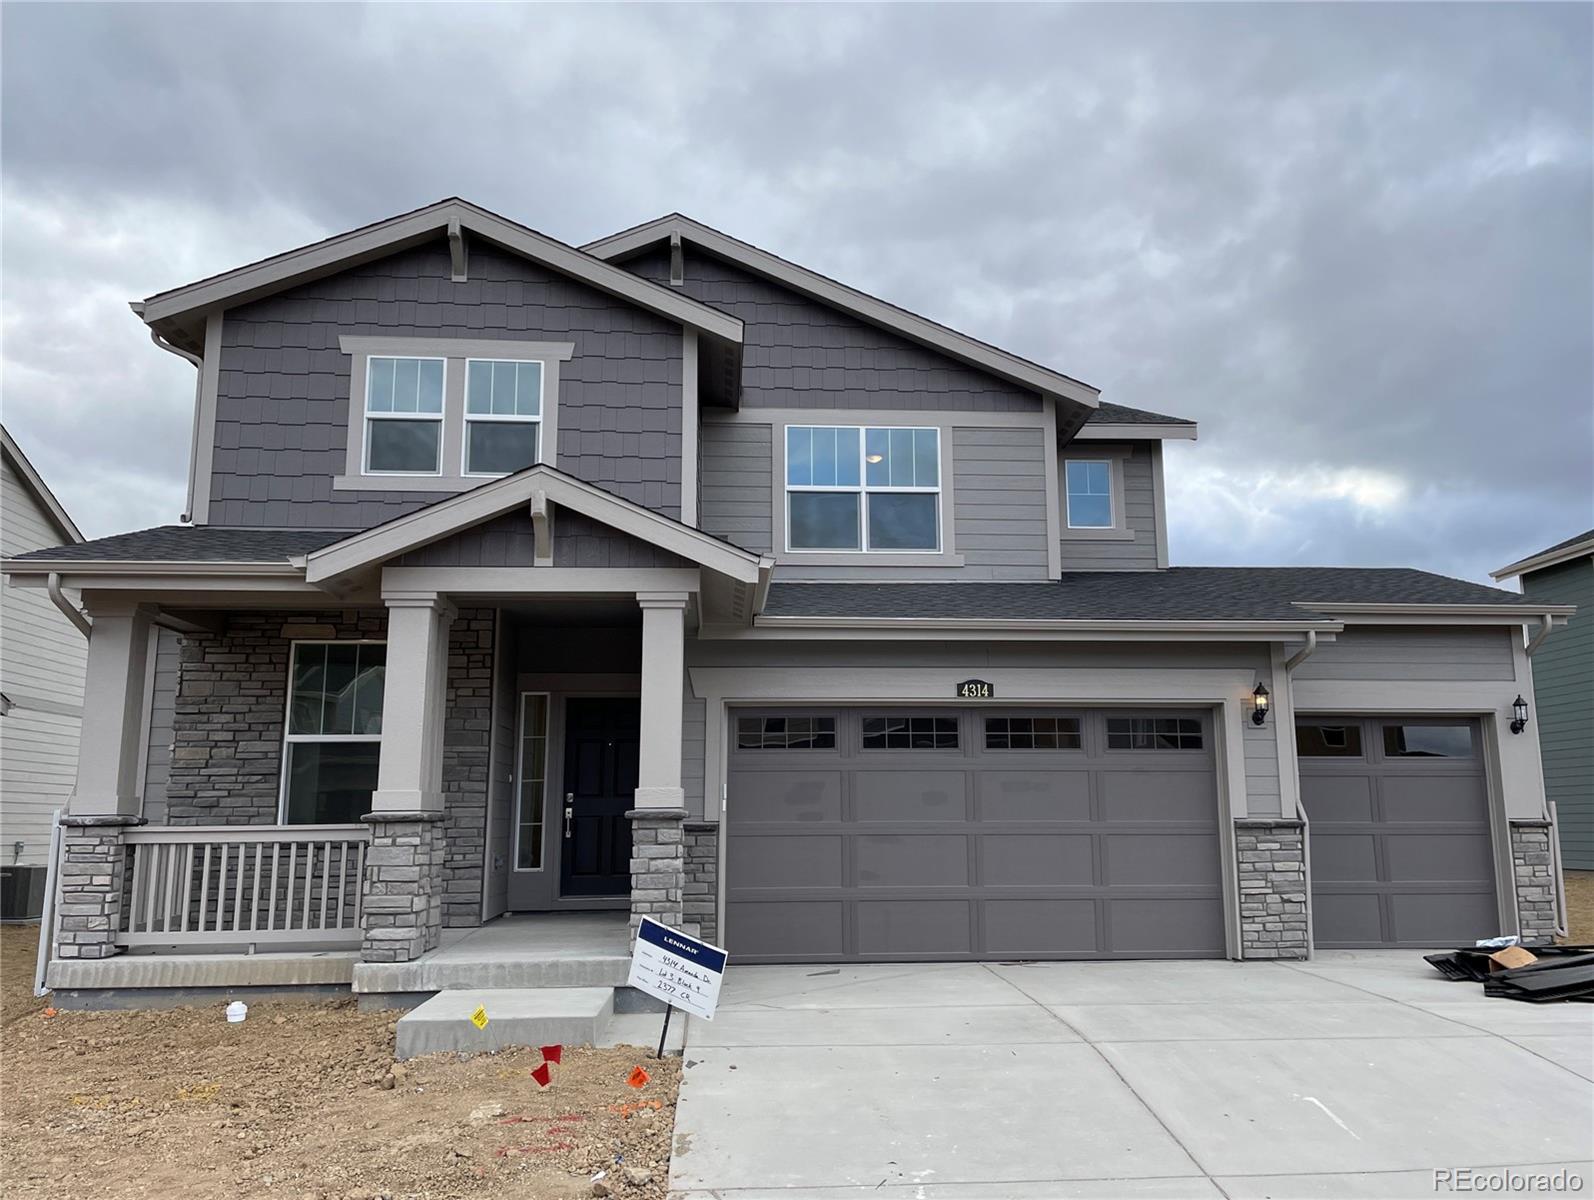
(798, 353)
(1401, 653)
(42, 659)
(1563, 709)
(508, 541)
(162, 710)
(736, 483)
(1140, 510)
(693, 720)
(999, 502)
(283, 403)
(579, 541)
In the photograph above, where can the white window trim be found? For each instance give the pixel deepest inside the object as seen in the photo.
(439, 418)
(290, 739)
(862, 490)
(500, 418)
(520, 761)
(455, 352)
(1119, 529)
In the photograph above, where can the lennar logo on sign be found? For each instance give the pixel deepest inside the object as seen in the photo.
(680, 970)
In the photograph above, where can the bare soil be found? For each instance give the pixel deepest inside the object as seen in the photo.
(1580, 907)
(304, 1100)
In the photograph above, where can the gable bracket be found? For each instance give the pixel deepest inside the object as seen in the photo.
(457, 252)
(541, 528)
(677, 260)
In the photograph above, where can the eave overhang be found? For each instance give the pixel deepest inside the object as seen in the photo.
(1439, 614)
(962, 628)
(1546, 558)
(1100, 431)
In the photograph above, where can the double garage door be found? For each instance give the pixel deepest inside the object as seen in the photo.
(914, 834)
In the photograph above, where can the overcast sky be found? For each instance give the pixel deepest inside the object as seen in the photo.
(1355, 242)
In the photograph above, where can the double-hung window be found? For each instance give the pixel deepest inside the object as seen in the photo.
(404, 416)
(334, 733)
(863, 488)
(1090, 493)
(503, 415)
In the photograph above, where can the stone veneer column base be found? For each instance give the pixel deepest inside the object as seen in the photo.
(1272, 859)
(402, 908)
(91, 879)
(700, 895)
(658, 865)
(1533, 870)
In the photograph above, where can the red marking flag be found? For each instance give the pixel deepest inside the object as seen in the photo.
(542, 1075)
(553, 1053)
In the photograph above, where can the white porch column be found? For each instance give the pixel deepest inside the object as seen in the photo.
(663, 676)
(410, 773)
(403, 887)
(105, 800)
(658, 851)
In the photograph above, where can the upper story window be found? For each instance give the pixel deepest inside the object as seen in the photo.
(443, 414)
(863, 488)
(1089, 485)
(404, 416)
(503, 415)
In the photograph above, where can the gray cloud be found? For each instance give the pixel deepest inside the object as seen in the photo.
(1355, 242)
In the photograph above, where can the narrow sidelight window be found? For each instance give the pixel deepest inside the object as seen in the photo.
(864, 489)
(1089, 483)
(404, 416)
(334, 731)
(531, 781)
(503, 415)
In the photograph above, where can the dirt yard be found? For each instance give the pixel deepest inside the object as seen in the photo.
(1580, 907)
(304, 1100)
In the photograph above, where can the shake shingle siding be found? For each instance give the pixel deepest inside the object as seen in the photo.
(798, 353)
(282, 416)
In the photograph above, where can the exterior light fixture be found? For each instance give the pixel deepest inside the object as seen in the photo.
(1519, 714)
(1259, 700)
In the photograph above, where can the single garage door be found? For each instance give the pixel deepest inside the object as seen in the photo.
(1401, 849)
(881, 835)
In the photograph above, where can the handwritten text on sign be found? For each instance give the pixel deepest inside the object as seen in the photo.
(678, 969)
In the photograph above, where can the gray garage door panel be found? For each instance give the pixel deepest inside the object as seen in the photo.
(1402, 852)
(836, 852)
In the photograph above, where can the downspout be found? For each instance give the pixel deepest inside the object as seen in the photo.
(1300, 656)
(69, 610)
(199, 387)
(1546, 627)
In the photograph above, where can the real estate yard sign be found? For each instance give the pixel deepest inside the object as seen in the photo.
(682, 971)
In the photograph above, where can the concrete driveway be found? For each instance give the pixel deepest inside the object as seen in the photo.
(1358, 1074)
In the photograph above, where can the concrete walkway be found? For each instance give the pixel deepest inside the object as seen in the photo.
(1358, 1074)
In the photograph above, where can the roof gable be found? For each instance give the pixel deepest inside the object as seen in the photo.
(34, 483)
(868, 308)
(177, 314)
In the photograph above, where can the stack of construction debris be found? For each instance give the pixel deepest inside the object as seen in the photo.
(1537, 974)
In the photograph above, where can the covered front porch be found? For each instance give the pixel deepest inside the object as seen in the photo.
(404, 736)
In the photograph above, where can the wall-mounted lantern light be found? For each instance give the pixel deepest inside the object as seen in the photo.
(1259, 700)
(1519, 714)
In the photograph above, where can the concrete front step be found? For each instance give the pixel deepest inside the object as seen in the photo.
(435, 972)
(515, 1017)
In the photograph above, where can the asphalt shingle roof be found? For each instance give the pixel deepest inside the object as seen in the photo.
(1177, 594)
(1117, 414)
(194, 543)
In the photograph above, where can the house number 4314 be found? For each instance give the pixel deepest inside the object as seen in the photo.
(974, 689)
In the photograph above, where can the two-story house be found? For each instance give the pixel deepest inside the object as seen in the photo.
(664, 576)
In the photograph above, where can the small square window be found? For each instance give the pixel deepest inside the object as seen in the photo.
(1090, 498)
(1328, 741)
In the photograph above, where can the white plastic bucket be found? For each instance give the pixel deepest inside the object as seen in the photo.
(236, 1012)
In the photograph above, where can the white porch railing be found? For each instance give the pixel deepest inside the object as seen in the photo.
(244, 885)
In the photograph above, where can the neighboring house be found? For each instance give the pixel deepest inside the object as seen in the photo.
(1563, 689)
(41, 688)
(668, 577)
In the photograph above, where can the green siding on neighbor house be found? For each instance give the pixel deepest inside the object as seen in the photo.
(1563, 689)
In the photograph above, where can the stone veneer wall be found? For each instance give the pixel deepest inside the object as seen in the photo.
(227, 724)
(700, 892)
(1534, 872)
(1272, 889)
(658, 865)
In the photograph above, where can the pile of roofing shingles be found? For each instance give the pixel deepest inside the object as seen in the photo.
(1539, 975)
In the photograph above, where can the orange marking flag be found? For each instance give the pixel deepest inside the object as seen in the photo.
(638, 1078)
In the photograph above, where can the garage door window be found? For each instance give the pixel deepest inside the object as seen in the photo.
(786, 733)
(1153, 733)
(1032, 733)
(1328, 741)
(910, 733)
(1427, 741)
